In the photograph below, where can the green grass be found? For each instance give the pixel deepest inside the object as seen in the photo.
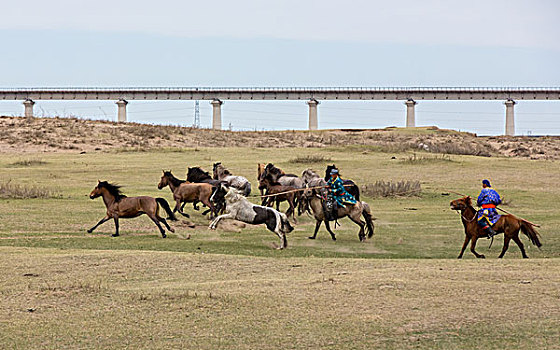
(220, 289)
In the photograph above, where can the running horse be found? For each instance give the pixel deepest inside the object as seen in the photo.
(509, 225)
(120, 206)
(187, 192)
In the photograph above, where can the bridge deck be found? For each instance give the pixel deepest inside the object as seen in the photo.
(284, 93)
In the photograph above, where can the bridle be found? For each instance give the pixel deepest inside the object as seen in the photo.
(464, 218)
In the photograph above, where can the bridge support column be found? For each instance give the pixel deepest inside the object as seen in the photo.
(313, 121)
(28, 112)
(121, 114)
(510, 120)
(216, 114)
(410, 117)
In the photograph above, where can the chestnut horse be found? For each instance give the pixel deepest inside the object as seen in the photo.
(508, 224)
(186, 192)
(120, 206)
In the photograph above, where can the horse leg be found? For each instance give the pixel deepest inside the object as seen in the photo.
(116, 218)
(520, 245)
(169, 228)
(328, 226)
(473, 246)
(156, 221)
(209, 205)
(505, 247)
(317, 225)
(467, 239)
(361, 233)
(105, 219)
(180, 209)
(292, 211)
(215, 222)
(194, 204)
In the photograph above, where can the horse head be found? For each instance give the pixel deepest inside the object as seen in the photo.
(461, 203)
(164, 181)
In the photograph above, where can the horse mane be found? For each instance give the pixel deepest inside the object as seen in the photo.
(198, 174)
(174, 181)
(113, 189)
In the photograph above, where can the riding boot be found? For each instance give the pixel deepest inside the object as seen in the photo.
(490, 231)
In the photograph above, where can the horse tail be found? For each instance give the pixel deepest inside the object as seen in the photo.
(163, 203)
(529, 230)
(366, 212)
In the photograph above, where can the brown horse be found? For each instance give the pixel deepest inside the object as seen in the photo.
(120, 206)
(507, 224)
(274, 188)
(187, 192)
(354, 212)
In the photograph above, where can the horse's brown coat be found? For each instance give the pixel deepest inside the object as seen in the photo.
(508, 224)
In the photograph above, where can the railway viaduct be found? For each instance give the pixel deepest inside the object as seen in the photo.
(313, 96)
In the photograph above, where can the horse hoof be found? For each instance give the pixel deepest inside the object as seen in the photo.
(482, 256)
(89, 231)
(333, 238)
(115, 235)
(311, 237)
(171, 229)
(163, 235)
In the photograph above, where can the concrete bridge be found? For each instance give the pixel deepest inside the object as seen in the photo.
(411, 96)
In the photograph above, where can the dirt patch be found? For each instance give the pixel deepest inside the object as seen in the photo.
(24, 135)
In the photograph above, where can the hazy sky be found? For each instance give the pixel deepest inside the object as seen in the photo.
(287, 43)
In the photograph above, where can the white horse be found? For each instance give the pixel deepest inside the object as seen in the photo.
(239, 208)
(236, 181)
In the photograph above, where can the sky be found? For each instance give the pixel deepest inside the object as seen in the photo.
(287, 43)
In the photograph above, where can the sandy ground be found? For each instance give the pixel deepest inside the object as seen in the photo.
(24, 135)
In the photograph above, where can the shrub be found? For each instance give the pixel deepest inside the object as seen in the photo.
(9, 190)
(392, 189)
(309, 159)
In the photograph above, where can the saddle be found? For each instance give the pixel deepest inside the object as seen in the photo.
(330, 208)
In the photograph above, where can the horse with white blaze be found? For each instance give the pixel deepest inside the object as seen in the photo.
(239, 208)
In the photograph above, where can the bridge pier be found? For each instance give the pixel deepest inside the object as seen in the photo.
(510, 120)
(216, 114)
(410, 117)
(313, 120)
(121, 114)
(28, 111)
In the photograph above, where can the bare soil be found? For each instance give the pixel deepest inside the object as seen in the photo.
(27, 135)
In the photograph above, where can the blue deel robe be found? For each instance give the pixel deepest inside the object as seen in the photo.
(488, 196)
(339, 192)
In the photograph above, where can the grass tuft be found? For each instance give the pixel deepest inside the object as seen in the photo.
(28, 162)
(9, 190)
(314, 158)
(392, 189)
(414, 159)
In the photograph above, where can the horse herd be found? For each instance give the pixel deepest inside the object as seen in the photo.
(225, 197)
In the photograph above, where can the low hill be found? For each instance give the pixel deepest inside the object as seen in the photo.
(22, 135)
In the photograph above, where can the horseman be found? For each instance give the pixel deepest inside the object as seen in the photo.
(337, 190)
(488, 200)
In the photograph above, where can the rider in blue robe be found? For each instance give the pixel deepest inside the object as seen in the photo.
(337, 190)
(488, 215)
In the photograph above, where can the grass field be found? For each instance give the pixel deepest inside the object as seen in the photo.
(63, 288)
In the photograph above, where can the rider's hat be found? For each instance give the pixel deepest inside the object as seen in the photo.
(334, 171)
(486, 182)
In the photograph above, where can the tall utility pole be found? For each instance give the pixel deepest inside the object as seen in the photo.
(196, 123)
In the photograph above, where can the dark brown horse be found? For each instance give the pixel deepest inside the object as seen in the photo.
(508, 224)
(186, 192)
(281, 193)
(120, 206)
